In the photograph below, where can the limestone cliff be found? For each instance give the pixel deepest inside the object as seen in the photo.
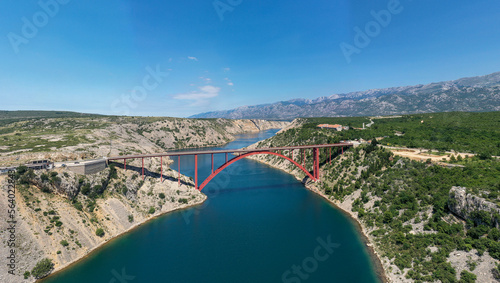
(57, 215)
(84, 138)
(466, 206)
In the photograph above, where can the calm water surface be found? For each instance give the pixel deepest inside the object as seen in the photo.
(258, 225)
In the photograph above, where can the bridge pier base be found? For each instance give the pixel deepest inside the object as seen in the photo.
(316, 164)
(196, 171)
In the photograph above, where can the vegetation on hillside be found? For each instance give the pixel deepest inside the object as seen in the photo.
(42, 268)
(404, 203)
(477, 133)
(38, 131)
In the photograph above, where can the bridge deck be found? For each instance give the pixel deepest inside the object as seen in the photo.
(199, 152)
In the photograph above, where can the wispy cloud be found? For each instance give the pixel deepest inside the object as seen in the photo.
(227, 69)
(192, 58)
(229, 82)
(199, 97)
(206, 80)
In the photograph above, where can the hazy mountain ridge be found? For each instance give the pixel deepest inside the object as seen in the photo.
(466, 94)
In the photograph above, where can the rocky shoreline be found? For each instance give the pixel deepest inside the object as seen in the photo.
(95, 249)
(385, 269)
(365, 237)
(380, 269)
(45, 220)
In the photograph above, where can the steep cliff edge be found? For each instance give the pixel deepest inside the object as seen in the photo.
(468, 206)
(59, 215)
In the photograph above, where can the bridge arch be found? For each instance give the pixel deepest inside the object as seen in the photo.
(225, 165)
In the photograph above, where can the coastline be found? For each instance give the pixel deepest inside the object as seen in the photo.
(377, 262)
(95, 249)
(366, 239)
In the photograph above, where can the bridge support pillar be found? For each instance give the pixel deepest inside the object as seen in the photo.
(196, 171)
(125, 164)
(143, 168)
(179, 171)
(304, 158)
(161, 168)
(316, 163)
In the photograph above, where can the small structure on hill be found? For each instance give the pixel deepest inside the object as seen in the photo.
(87, 167)
(336, 127)
(35, 165)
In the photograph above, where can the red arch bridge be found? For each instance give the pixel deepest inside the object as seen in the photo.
(242, 153)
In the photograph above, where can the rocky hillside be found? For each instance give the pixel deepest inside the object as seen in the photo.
(471, 207)
(466, 94)
(62, 216)
(405, 207)
(70, 138)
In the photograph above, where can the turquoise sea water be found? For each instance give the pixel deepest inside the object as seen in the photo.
(258, 225)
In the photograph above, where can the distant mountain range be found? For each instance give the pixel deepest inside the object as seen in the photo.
(467, 94)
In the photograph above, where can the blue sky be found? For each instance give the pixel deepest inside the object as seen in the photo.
(179, 58)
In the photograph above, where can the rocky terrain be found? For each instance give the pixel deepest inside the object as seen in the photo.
(466, 94)
(61, 139)
(466, 205)
(58, 214)
(63, 216)
(342, 184)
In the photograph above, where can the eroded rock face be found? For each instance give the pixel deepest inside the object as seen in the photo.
(67, 188)
(116, 210)
(464, 205)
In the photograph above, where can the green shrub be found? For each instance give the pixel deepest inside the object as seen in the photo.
(99, 232)
(162, 195)
(494, 234)
(44, 177)
(85, 189)
(42, 268)
(467, 277)
(64, 243)
(98, 189)
(78, 205)
(112, 172)
(151, 210)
